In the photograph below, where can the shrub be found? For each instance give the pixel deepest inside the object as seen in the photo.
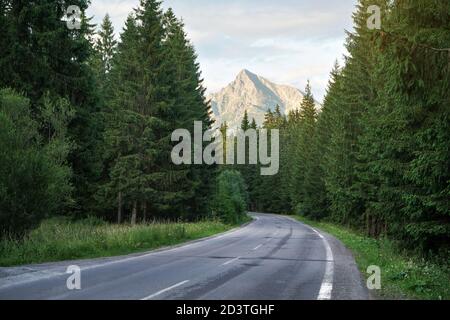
(35, 180)
(230, 201)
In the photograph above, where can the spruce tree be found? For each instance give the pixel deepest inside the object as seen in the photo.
(189, 105)
(245, 124)
(302, 169)
(105, 48)
(326, 125)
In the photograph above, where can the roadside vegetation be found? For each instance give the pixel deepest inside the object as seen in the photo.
(61, 239)
(404, 275)
(230, 200)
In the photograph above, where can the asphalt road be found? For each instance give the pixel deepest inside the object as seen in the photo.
(273, 257)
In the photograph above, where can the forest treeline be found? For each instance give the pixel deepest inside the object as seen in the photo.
(86, 119)
(377, 155)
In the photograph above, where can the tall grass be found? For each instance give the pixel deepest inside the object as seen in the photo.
(62, 239)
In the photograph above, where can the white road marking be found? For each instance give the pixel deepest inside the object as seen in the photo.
(165, 290)
(231, 261)
(327, 282)
(256, 248)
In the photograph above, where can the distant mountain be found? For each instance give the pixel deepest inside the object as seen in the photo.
(256, 95)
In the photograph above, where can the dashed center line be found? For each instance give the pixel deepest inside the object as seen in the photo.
(231, 261)
(165, 290)
(256, 248)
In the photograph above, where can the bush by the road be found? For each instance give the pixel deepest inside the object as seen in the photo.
(230, 202)
(34, 176)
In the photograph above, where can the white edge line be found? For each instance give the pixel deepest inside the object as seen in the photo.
(327, 282)
(165, 290)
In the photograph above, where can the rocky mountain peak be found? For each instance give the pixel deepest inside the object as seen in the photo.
(254, 94)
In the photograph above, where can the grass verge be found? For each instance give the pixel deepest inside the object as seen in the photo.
(60, 239)
(403, 276)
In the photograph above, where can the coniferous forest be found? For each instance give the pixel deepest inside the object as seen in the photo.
(376, 157)
(86, 120)
(86, 117)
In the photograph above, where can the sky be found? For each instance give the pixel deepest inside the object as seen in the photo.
(285, 41)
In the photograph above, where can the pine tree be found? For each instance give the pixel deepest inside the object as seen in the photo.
(268, 118)
(246, 169)
(326, 126)
(188, 93)
(105, 48)
(245, 124)
(302, 169)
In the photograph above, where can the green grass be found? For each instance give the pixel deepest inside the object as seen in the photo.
(61, 239)
(403, 275)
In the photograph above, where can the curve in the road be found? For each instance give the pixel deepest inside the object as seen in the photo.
(273, 258)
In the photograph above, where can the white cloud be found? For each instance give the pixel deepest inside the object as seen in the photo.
(287, 41)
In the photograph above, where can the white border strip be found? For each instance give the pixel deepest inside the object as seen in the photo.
(327, 282)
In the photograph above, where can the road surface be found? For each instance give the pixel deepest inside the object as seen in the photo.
(274, 257)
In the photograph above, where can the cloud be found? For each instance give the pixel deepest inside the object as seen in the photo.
(117, 9)
(287, 41)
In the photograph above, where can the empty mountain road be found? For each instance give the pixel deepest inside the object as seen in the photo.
(274, 257)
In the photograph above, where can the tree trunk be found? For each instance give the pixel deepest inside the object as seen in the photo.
(119, 208)
(373, 226)
(144, 211)
(134, 214)
(367, 223)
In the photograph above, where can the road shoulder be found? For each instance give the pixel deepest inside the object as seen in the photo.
(348, 282)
